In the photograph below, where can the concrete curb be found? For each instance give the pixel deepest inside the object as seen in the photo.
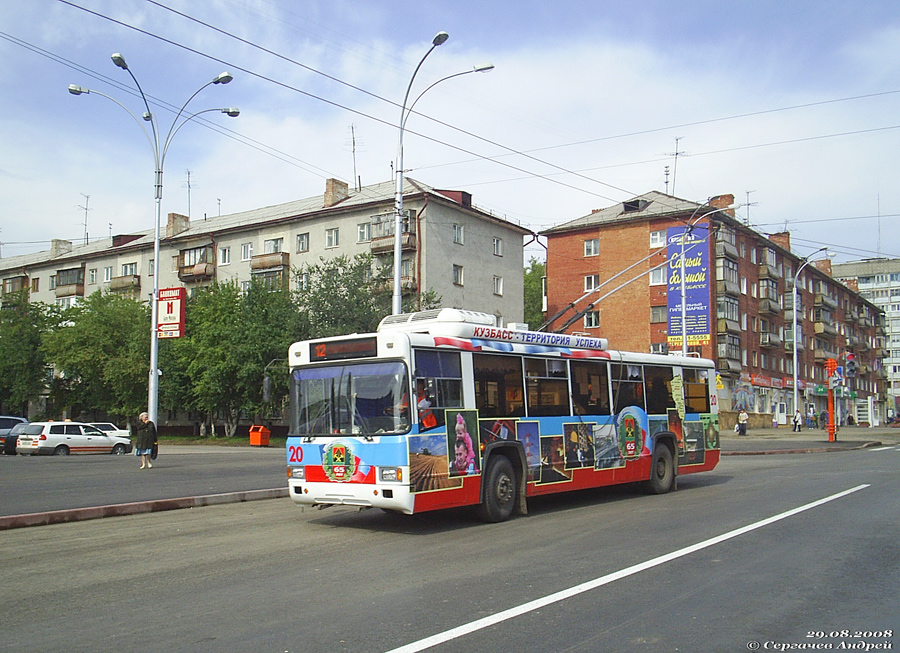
(769, 452)
(137, 507)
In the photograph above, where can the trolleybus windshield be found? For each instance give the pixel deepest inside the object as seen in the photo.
(362, 398)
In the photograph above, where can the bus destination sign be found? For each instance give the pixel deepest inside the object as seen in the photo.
(342, 349)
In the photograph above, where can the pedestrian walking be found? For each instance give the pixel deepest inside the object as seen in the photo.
(823, 419)
(797, 421)
(146, 436)
(743, 418)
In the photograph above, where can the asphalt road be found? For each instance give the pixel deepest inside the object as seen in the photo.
(764, 552)
(31, 484)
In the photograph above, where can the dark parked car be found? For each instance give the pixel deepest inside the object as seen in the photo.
(8, 444)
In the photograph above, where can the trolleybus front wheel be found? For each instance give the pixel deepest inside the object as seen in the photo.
(499, 481)
(662, 471)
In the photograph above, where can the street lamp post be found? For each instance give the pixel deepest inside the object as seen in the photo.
(159, 158)
(439, 39)
(795, 297)
(691, 223)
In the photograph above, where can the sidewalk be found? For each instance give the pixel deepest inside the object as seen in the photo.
(782, 440)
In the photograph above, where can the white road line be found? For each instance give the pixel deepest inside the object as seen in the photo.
(480, 624)
(883, 448)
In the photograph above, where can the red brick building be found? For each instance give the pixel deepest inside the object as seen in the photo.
(616, 273)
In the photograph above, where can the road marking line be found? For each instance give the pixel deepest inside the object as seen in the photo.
(883, 448)
(536, 604)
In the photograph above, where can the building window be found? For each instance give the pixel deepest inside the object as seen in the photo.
(303, 242)
(332, 237)
(658, 276)
(128, 269)
(92, 275)
(107, 275)
(152, 267)
(591, 282)
(457, 275)
(498, 247)
(728, 308)
(592, 319)
(364, 232)
(592, 247)
(727, 270)
(224, 255)
(659, 348)
(246, 251)
(658, 314)
(458, 234)
(658, 238)
(273, 245)
(498, 285)
(245, 287)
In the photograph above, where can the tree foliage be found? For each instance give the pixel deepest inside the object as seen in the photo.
(23, 368)
(534, 292)
(100, 353)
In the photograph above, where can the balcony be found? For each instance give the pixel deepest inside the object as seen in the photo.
(825, 301)
(768, 271)
(728, 287)
(881, 374)
(728, 366)
(768, 339)
(125, 282)
(70, 290)
(385, 244)
(789, 341)
(851, 316)
(196, 272)
(270, 261)
(824, 354)
(725, 325)
(769, 306)
(724, 248)
(825, 329)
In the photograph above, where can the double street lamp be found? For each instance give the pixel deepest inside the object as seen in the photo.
(159, 147)
(439, 39)
(794, 326)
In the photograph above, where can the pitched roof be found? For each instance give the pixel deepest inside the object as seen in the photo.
(649, 205)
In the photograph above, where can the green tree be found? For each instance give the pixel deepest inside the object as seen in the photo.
(100, 353)
(534, 292)
(23, 369)
(231, 336)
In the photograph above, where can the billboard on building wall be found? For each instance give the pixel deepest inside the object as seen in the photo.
(170, 316)
(696, 284)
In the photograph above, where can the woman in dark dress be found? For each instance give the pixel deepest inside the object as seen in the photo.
(146, 436)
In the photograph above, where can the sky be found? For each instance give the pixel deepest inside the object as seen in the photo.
(793, 107)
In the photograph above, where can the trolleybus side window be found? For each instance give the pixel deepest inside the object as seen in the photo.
(547, 383)
(696, 390)
(627, 386)
(441, 374)
(659, 389)
(590, 388)
(499, 390)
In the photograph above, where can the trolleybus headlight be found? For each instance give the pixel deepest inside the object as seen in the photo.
(298, 473)
(391, 474)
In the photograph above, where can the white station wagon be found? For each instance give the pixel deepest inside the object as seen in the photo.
(63, 438)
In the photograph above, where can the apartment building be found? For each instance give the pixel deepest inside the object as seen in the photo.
(878, 280)
(621, 268)
(469, 257)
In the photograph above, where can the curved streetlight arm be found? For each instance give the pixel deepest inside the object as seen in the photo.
(477, 69)
(119, 60)
(176, 126)
(74, 89)
(795, 296)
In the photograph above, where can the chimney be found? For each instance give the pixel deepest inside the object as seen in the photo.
(823, 264)
(721, 201)
(782, 239)
(336, 191)
(177, 224)
(59, 247)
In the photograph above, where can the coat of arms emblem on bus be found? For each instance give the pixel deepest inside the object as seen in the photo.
(631, 434)
(338, 461)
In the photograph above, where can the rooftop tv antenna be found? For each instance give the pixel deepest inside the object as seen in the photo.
(189, 185)
(87, 199)
(749, 204)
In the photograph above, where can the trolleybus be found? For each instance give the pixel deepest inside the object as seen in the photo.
(445, 408)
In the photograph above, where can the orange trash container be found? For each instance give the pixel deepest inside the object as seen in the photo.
(259, 436)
